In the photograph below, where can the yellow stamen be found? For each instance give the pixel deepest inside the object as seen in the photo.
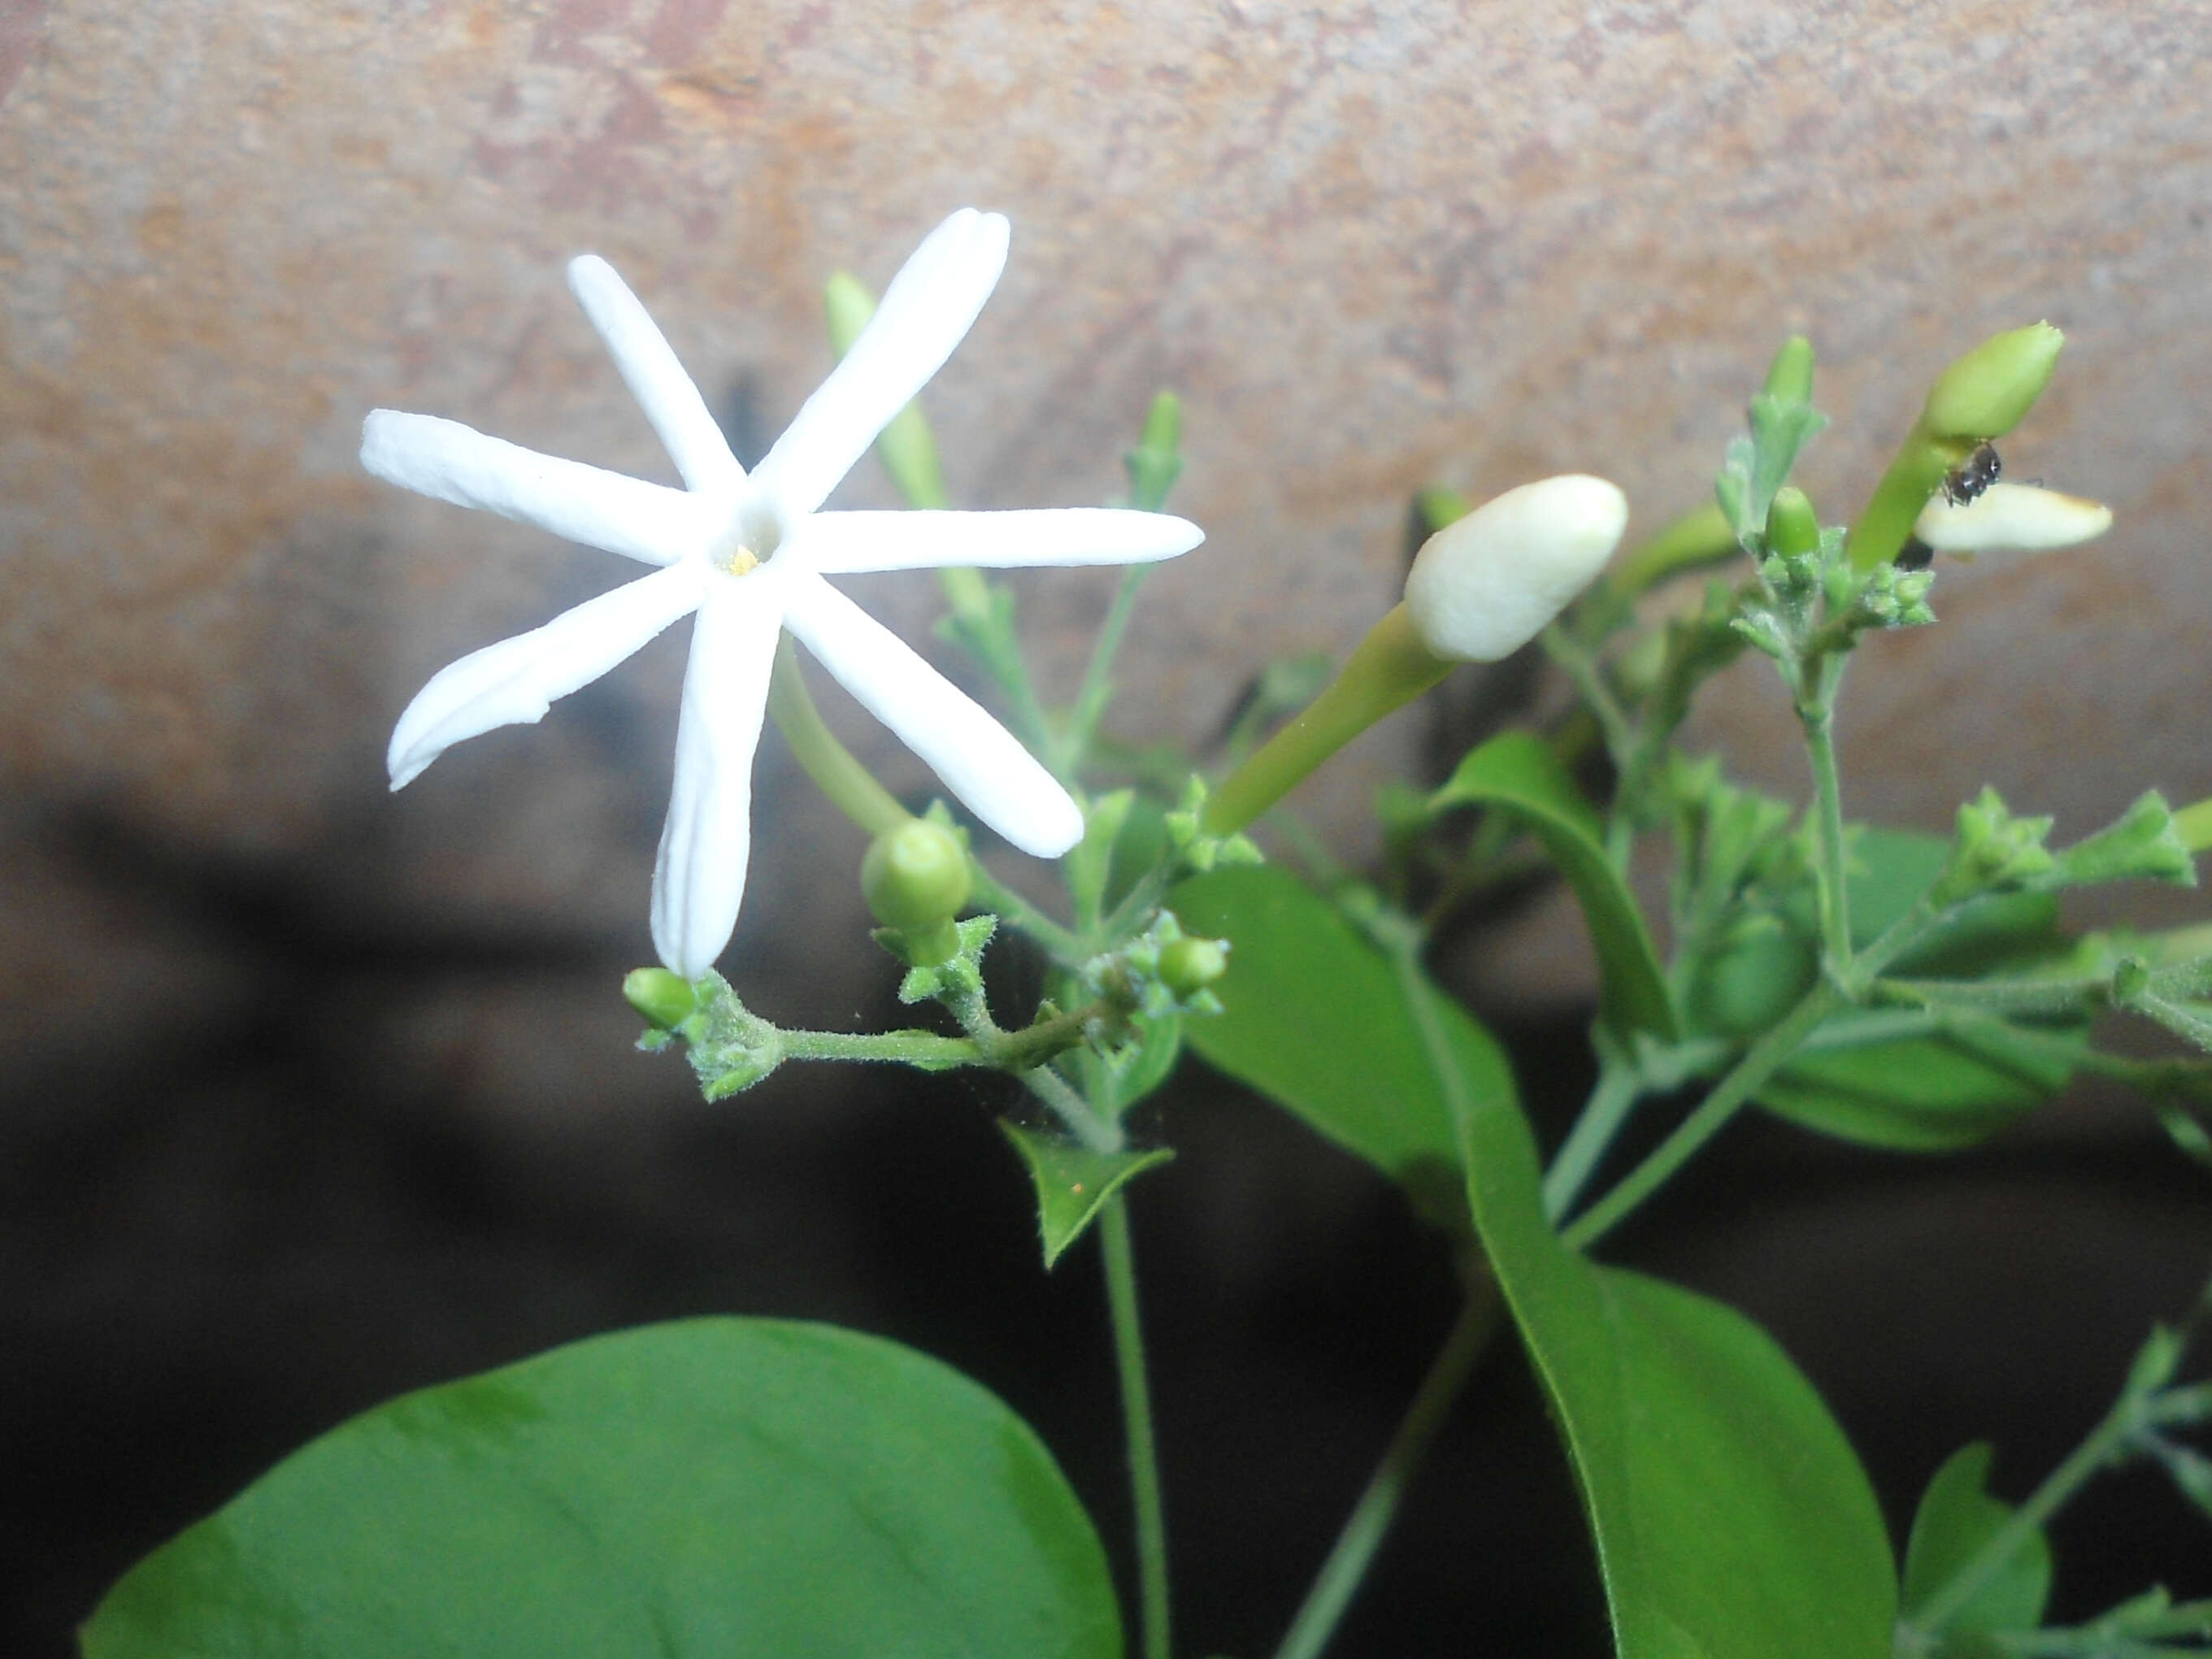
(740, 561)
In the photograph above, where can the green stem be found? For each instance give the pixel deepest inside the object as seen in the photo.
(1817, 713)
(1915, 474)
(986, 892)
(1729, 1096)
(1097, 687)
(1581, 667)
(905, 1047)
(1618, 1089)
(1137, 1421)
(1340, 1574)
(1386, 671)
(851, 787)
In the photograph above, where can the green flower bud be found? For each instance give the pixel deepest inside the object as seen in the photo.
(1157, 461)
(1792, 526)
(1790, 379)
(1987, 392)
(915, 877)
(1486, 585)
(849, 306)
(1188, 966)
(665, 1000)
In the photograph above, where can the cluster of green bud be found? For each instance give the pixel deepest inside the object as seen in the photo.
(1162, 971)
(730, 1047)
(1889, 597)
(2145, 844)
(1994, 850)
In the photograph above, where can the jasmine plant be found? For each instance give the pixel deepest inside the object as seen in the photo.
(736, 1485)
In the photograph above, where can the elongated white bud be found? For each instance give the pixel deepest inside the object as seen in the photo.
(2022, 518)
(1484, 585)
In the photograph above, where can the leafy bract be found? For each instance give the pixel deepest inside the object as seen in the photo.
(712, 1487)
(1518, 770)
(1731, 1518)
(1315, 1016)
(1956, 1518)
(1072, 1181)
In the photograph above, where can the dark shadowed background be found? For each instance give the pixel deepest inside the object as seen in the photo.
(311, 1094)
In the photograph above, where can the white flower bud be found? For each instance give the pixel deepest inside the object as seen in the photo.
(1484, 585)
(2022, 518)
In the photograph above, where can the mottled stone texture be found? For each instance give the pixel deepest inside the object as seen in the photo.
(1374, 246)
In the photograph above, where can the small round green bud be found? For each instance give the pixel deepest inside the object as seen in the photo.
(1790, 379)
(1188, 966)
(1987, 392)
(1792, 526)
(664, 1000)
(915, 877)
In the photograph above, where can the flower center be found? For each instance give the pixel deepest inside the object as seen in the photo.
(754, 532)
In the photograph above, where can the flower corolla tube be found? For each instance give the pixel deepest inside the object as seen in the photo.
(746, 555)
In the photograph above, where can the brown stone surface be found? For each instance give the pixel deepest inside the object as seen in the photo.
(1374, 246)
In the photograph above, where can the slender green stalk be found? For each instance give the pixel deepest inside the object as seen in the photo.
(903, 1048)
(989, 893)
(1729, 1096)
(1818, 714)
(1097, 689)
(1618, 1089)
(1341, 1574)
(851, 787)
(1137, 1419)
(1581, 667)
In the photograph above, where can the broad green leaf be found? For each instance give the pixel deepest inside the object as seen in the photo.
(1072, 1181)
(1731, 1518)
(1315, 1016)
(1956, 1518)
(711, 1489)
(1518, 770)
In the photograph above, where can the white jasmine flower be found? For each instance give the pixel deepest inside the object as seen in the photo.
(1486, 585)
(748, 556)
(2020, 518)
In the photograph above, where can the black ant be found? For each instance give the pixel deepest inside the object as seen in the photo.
(1962, 484)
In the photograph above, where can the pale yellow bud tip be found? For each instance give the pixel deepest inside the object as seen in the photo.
(1484, 585)
(2020, 518)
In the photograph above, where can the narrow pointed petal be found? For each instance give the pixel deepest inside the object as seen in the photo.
(515, 681)
(980, 761)
(668, 396)
(926, 312)
(458, 464)
(699, 881)
(843, 543)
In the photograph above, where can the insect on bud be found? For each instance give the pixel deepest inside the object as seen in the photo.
(1486, 585)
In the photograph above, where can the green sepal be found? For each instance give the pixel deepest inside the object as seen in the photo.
(1072, 1181)
(1993, 851)
(2143, 844)
(1956, 1518)
(730, 1047)
(960, 974)
(1519, 772)
(1194, 849)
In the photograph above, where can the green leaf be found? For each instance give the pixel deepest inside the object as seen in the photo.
(1519, 771)
(1923, 1094)
(1956, 1518)
(1315, 1016)
(1072, 1181)
(701, 1490)
(1732, 1520)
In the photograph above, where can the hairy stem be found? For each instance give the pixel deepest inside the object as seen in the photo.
(1137, 1422)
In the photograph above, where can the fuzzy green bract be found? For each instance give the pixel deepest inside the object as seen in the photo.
(1732, 1519)
(711, 1489)
(1315, 1016)
(1072, 1182)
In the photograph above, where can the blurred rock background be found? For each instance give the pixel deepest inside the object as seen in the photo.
(311, 1093)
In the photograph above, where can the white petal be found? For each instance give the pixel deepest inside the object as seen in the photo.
(979, 759)
(1486, 585)
(666, 394)
(925, 310)
(700, 879)
(843, 542)
(586, 504)
(515, 681)
(2022, 518)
